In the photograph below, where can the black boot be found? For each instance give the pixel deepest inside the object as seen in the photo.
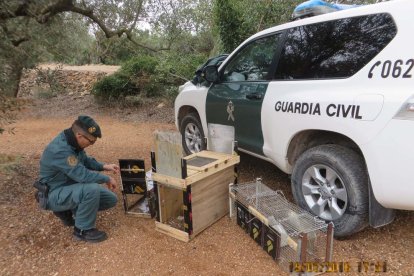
(90, 235)
(66, 217)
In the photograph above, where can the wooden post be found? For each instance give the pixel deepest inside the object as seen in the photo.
(188, 221)
(329, 242)
(183, 168)
(236, 167)
(156, 198)
(303, 247)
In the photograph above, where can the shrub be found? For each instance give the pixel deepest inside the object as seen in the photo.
(50, 78)
(139, 65)
(148, 76)
(113, 87)
(134, 78)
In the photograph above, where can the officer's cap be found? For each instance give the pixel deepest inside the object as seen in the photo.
(89, 126)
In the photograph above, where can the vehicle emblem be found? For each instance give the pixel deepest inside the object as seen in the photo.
(230, 110)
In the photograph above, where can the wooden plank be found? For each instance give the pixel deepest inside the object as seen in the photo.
(190, 171)
(216, 166)
(161, 207)
(172, 232)
(172, 203)
(258, 215)
(193, 168)
(178, 183)
(210, 199)
(208, 154)
(168, 153)
(140, 215)
(195, 174)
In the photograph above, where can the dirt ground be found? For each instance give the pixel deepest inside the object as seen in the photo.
(34, 242)
(90, 67)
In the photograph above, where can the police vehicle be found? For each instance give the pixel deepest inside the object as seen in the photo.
(328, 99)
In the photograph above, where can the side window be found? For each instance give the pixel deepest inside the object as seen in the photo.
(334, 49)
(253, 62)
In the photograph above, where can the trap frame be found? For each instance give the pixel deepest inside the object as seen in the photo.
(284, 230)
(135, 194)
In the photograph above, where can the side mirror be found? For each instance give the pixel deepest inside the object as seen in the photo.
(211, 73)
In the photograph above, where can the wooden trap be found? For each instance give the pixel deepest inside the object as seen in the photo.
(189, 204)
(135, 194)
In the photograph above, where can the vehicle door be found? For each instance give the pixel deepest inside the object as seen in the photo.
(236, 100)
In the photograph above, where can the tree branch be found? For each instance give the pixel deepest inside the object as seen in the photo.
(17, 42)
(109, 33)
(61, 6)
(22, 9)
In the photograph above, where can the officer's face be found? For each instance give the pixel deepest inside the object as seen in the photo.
(84, 141)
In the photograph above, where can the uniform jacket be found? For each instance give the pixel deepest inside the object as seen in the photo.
(63, 164)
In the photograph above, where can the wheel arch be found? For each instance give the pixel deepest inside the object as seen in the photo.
(307, 139)
(184, 110)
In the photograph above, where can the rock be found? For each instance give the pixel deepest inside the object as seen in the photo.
(77, 82)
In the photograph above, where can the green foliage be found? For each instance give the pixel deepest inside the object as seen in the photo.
(265, 14)
(148, 77)
(65, 40)
(113, 87)
(228, 21)
(134, 78)
(116, 50)
(139, 66)
(174, 69)
(54, 41)
(236, 20)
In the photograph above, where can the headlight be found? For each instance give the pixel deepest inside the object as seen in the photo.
(406, 112)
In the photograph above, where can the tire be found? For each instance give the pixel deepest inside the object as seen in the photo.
(323, 169)
(192, 134)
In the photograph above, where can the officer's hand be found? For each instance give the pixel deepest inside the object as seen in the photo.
(111, 184)
(111, 167)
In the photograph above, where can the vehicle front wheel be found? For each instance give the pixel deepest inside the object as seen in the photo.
(192, 134)
(331, 182)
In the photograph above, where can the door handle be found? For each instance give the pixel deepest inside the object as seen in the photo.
(254, 96)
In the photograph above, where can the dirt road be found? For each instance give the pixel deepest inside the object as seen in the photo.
(33, 242)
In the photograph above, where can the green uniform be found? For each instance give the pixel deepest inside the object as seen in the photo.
(74, 183)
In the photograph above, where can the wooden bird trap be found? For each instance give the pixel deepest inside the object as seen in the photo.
(135, 193)
(192, 191)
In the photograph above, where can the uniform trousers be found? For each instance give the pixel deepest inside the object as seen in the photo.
(84, 199)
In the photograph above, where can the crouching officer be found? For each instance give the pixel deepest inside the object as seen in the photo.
(73, 180)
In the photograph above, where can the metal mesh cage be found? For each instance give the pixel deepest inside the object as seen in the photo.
(292, 233)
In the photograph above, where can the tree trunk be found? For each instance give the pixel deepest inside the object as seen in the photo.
(15, 79)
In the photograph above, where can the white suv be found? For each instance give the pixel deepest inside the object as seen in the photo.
(328, 99)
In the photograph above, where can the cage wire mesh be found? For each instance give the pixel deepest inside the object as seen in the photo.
(302, 236)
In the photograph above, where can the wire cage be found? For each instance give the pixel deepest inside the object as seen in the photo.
(289, 234)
